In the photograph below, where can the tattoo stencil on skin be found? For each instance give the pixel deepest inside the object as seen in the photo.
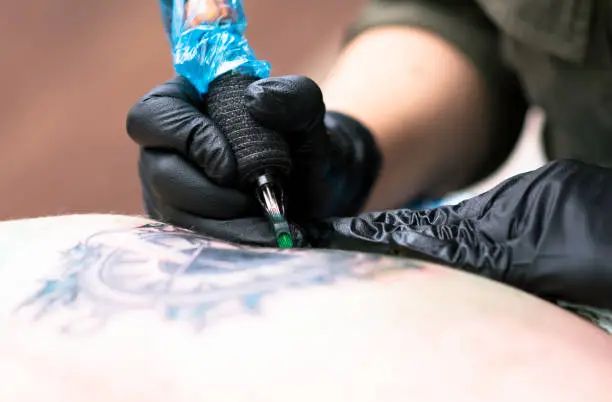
(183, 276)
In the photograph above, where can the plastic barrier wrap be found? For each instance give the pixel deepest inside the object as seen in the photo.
(207, 38)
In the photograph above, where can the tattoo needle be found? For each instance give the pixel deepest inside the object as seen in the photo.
(273, 205)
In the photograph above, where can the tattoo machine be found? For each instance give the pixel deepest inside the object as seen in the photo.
(210, 50)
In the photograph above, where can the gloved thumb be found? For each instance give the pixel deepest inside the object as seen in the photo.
(362, 233)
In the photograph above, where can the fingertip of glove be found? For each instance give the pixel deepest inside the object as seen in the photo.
(315, 233)
(173, 94)
(288, 103)
(134, 119)
(177, 87)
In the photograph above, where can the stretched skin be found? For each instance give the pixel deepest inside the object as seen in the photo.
(407, 331)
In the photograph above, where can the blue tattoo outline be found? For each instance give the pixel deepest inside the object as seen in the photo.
(102, 277)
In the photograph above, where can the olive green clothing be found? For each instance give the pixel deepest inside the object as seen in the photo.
(555, 52)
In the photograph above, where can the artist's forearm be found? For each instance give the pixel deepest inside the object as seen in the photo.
(425, 104)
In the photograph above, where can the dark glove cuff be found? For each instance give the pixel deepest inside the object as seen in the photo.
(359, 155)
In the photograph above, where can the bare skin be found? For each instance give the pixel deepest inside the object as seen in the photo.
(121, 323)
(425, 104)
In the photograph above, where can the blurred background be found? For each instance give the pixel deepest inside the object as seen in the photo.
(71, 70)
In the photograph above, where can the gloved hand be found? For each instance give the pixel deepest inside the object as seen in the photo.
(188, 171)
(548, 232)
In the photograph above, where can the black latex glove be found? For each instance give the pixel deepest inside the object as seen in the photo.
(548, 232)
(188, 171)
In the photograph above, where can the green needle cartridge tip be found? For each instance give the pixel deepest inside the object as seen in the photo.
(284, 240)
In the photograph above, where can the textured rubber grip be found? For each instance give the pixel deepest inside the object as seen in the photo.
(257, 149)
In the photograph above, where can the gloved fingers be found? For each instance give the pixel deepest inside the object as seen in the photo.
(456, 246)
(379, 222)
(248, 231)
(251, 231)
(169, 117)
(289, 104)
(364, 235)
(459, 246)
(575, 280)
(256, 231)
(175, 181)
(395, 228)
(150, 207)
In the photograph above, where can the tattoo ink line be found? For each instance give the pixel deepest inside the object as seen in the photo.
(183, 276)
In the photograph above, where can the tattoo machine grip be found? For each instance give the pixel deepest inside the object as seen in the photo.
(258, 150)
(210, 50)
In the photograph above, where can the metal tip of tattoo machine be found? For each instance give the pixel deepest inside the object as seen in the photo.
(270, 197)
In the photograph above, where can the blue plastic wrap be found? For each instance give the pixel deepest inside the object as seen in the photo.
(207, 38)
